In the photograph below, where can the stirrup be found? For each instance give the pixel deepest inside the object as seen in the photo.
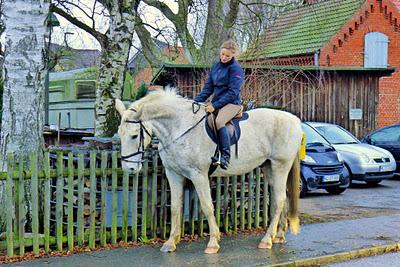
(216, 160)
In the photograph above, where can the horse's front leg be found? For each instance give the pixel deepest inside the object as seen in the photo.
(202, 185)
(176, 185)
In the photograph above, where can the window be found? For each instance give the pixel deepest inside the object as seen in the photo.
(376, 50)
(391, 134)
(85, 89)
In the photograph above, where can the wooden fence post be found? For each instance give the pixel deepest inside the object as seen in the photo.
(114, 198)
(144, 196)
(59, 201)
(10, 206)
(103, 229)
(135, 186)
(46, 216)
(257, 202)
(21, 205)
(35, 201)
(70, 227)
(80, 227)
(92, 226)
(125, 205)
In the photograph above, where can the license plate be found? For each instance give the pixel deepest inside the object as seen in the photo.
(331, 178)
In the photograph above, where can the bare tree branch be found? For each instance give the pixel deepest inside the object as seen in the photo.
(102, 38)
(163, 8)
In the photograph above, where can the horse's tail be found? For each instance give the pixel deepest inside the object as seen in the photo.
(293, 184)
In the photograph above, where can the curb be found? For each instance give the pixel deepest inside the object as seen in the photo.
(339, 257)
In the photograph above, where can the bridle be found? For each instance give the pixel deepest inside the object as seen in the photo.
(143, 130)
(140, 150)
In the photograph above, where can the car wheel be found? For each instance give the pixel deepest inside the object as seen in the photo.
(335, 190)
(303, 187)
(373, 183)
(349, 171)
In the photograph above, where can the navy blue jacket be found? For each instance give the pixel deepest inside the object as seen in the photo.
(224, 81)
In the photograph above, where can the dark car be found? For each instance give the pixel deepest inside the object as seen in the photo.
(388, 138)
(322, 167)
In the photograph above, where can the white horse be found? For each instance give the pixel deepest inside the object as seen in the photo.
(269, 138)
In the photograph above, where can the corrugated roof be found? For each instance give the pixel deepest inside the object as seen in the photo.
(65, 75)
(303, 30)
(383, 71)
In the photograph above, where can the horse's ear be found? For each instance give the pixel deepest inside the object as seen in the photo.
(119, 105)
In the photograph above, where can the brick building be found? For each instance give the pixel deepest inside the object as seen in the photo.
(339, 34)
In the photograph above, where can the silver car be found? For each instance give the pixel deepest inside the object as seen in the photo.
(365, 162)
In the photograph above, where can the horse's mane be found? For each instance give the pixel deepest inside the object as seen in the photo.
(168, 97)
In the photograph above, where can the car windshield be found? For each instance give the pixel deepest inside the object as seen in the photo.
(391, 134)
(312, 136)
(336, 135)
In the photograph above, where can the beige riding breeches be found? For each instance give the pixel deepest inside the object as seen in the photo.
(225, 114)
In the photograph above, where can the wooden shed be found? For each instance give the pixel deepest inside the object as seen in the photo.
(313, 93)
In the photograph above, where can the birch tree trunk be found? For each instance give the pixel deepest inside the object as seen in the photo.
(24, 73)
(111, 78)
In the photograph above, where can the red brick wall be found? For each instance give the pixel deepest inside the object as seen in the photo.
(346, 49)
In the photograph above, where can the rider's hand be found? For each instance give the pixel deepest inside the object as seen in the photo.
(210, 108)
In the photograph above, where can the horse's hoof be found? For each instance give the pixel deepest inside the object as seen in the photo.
(211, 250)
(264, 245)
(168, 248)
(279, 240)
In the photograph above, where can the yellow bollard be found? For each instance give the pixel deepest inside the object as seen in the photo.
(302, 152)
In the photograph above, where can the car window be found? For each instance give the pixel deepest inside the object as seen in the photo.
(391, 134)
(336, 135)
(312, 136)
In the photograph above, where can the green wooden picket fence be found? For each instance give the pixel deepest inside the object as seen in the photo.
(71, 199)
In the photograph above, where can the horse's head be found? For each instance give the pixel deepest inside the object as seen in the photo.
(135, 135)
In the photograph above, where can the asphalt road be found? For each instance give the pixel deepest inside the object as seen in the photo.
(358, 201)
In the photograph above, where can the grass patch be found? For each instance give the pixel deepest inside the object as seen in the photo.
(306, 218)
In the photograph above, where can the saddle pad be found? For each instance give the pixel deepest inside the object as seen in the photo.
(233, 128)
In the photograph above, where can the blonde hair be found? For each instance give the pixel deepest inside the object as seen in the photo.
(230, 45)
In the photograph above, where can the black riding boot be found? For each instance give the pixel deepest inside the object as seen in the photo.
(224, 147)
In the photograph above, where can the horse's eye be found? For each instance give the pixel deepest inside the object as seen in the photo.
(134, 136)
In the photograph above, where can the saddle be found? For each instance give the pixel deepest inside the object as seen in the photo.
(232, 126)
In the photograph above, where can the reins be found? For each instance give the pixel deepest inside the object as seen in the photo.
(183, 134)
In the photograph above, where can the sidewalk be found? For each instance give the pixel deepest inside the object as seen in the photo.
(314, 241)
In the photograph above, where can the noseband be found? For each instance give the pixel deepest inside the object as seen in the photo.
(140, 150)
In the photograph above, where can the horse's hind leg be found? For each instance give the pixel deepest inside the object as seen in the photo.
(176, 184)
(202, 185)
(279, 174)
(282, 227)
